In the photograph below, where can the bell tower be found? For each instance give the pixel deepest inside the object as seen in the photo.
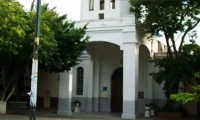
(103, 9)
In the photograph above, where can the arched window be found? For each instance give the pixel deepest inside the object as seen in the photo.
(79, 81)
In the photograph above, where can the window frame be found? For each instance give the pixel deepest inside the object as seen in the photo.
(112, 4)
(101, 4)
(79, 80)
(101, 16)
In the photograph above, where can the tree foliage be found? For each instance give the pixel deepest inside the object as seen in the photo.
(66, 44)
(60, 43)
(179, 70)
(168, 17)
(174, 20)
(186, 97)
(13, 28)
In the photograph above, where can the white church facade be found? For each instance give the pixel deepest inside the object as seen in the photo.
(113, 74)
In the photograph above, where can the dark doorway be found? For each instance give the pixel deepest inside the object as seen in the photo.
(117, 90)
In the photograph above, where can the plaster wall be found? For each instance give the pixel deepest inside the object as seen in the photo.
(119, 11)
(48, 82)
(109, 57)
(84, 64)
(152, 45)
(108, 62)
(113, 30)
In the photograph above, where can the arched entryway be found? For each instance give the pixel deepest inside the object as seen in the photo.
(117, 90)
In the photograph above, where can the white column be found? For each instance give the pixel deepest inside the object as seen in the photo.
(96, 86)
(130, 80)
(65, 93)
(90, 87)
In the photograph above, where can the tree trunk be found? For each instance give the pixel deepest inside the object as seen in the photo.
(170, 103)
(13, 88)
(6, 89)
(15, 77)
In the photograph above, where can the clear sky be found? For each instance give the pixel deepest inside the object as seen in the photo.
(69, 7)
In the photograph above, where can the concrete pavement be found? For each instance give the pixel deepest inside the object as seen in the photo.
(50, 114)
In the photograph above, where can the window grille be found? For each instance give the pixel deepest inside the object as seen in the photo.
(102, 4)
(101, 16)
(79, 84)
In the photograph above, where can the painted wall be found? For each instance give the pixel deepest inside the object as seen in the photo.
(84, 65)
(110, 56)
(119, 11)
(48, 82)
(108, 62)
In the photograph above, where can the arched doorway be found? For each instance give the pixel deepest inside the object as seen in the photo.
(117, 90)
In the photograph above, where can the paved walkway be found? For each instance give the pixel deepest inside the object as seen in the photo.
(50, 114)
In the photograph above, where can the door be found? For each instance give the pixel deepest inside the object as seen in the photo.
(117, 90)
(47, 96)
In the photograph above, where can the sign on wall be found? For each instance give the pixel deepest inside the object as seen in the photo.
(141, 95)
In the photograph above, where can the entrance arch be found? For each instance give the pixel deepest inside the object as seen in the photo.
(117, 90)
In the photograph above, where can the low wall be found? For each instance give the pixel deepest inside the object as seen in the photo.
(17, 104)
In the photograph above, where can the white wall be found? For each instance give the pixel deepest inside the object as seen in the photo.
(121, 9)
(85, 65)
(110, 57)
(48, 82)
(143, 70)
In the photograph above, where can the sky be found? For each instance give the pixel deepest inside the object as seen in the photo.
(69, 7)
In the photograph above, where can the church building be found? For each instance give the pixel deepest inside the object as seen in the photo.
(113, 75)
(113, 72)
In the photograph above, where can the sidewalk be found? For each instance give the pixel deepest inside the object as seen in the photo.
(50, 114)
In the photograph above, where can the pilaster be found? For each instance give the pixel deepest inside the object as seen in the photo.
(90, 87)
(65, 93)
(96, 85)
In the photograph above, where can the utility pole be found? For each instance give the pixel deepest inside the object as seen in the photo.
(34, 75)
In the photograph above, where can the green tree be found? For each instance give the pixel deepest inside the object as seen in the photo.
(186, 97)
(13, 26)
(174, 20)
(70, 41)
(173, 71)
(167, 18)
(60, 44)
